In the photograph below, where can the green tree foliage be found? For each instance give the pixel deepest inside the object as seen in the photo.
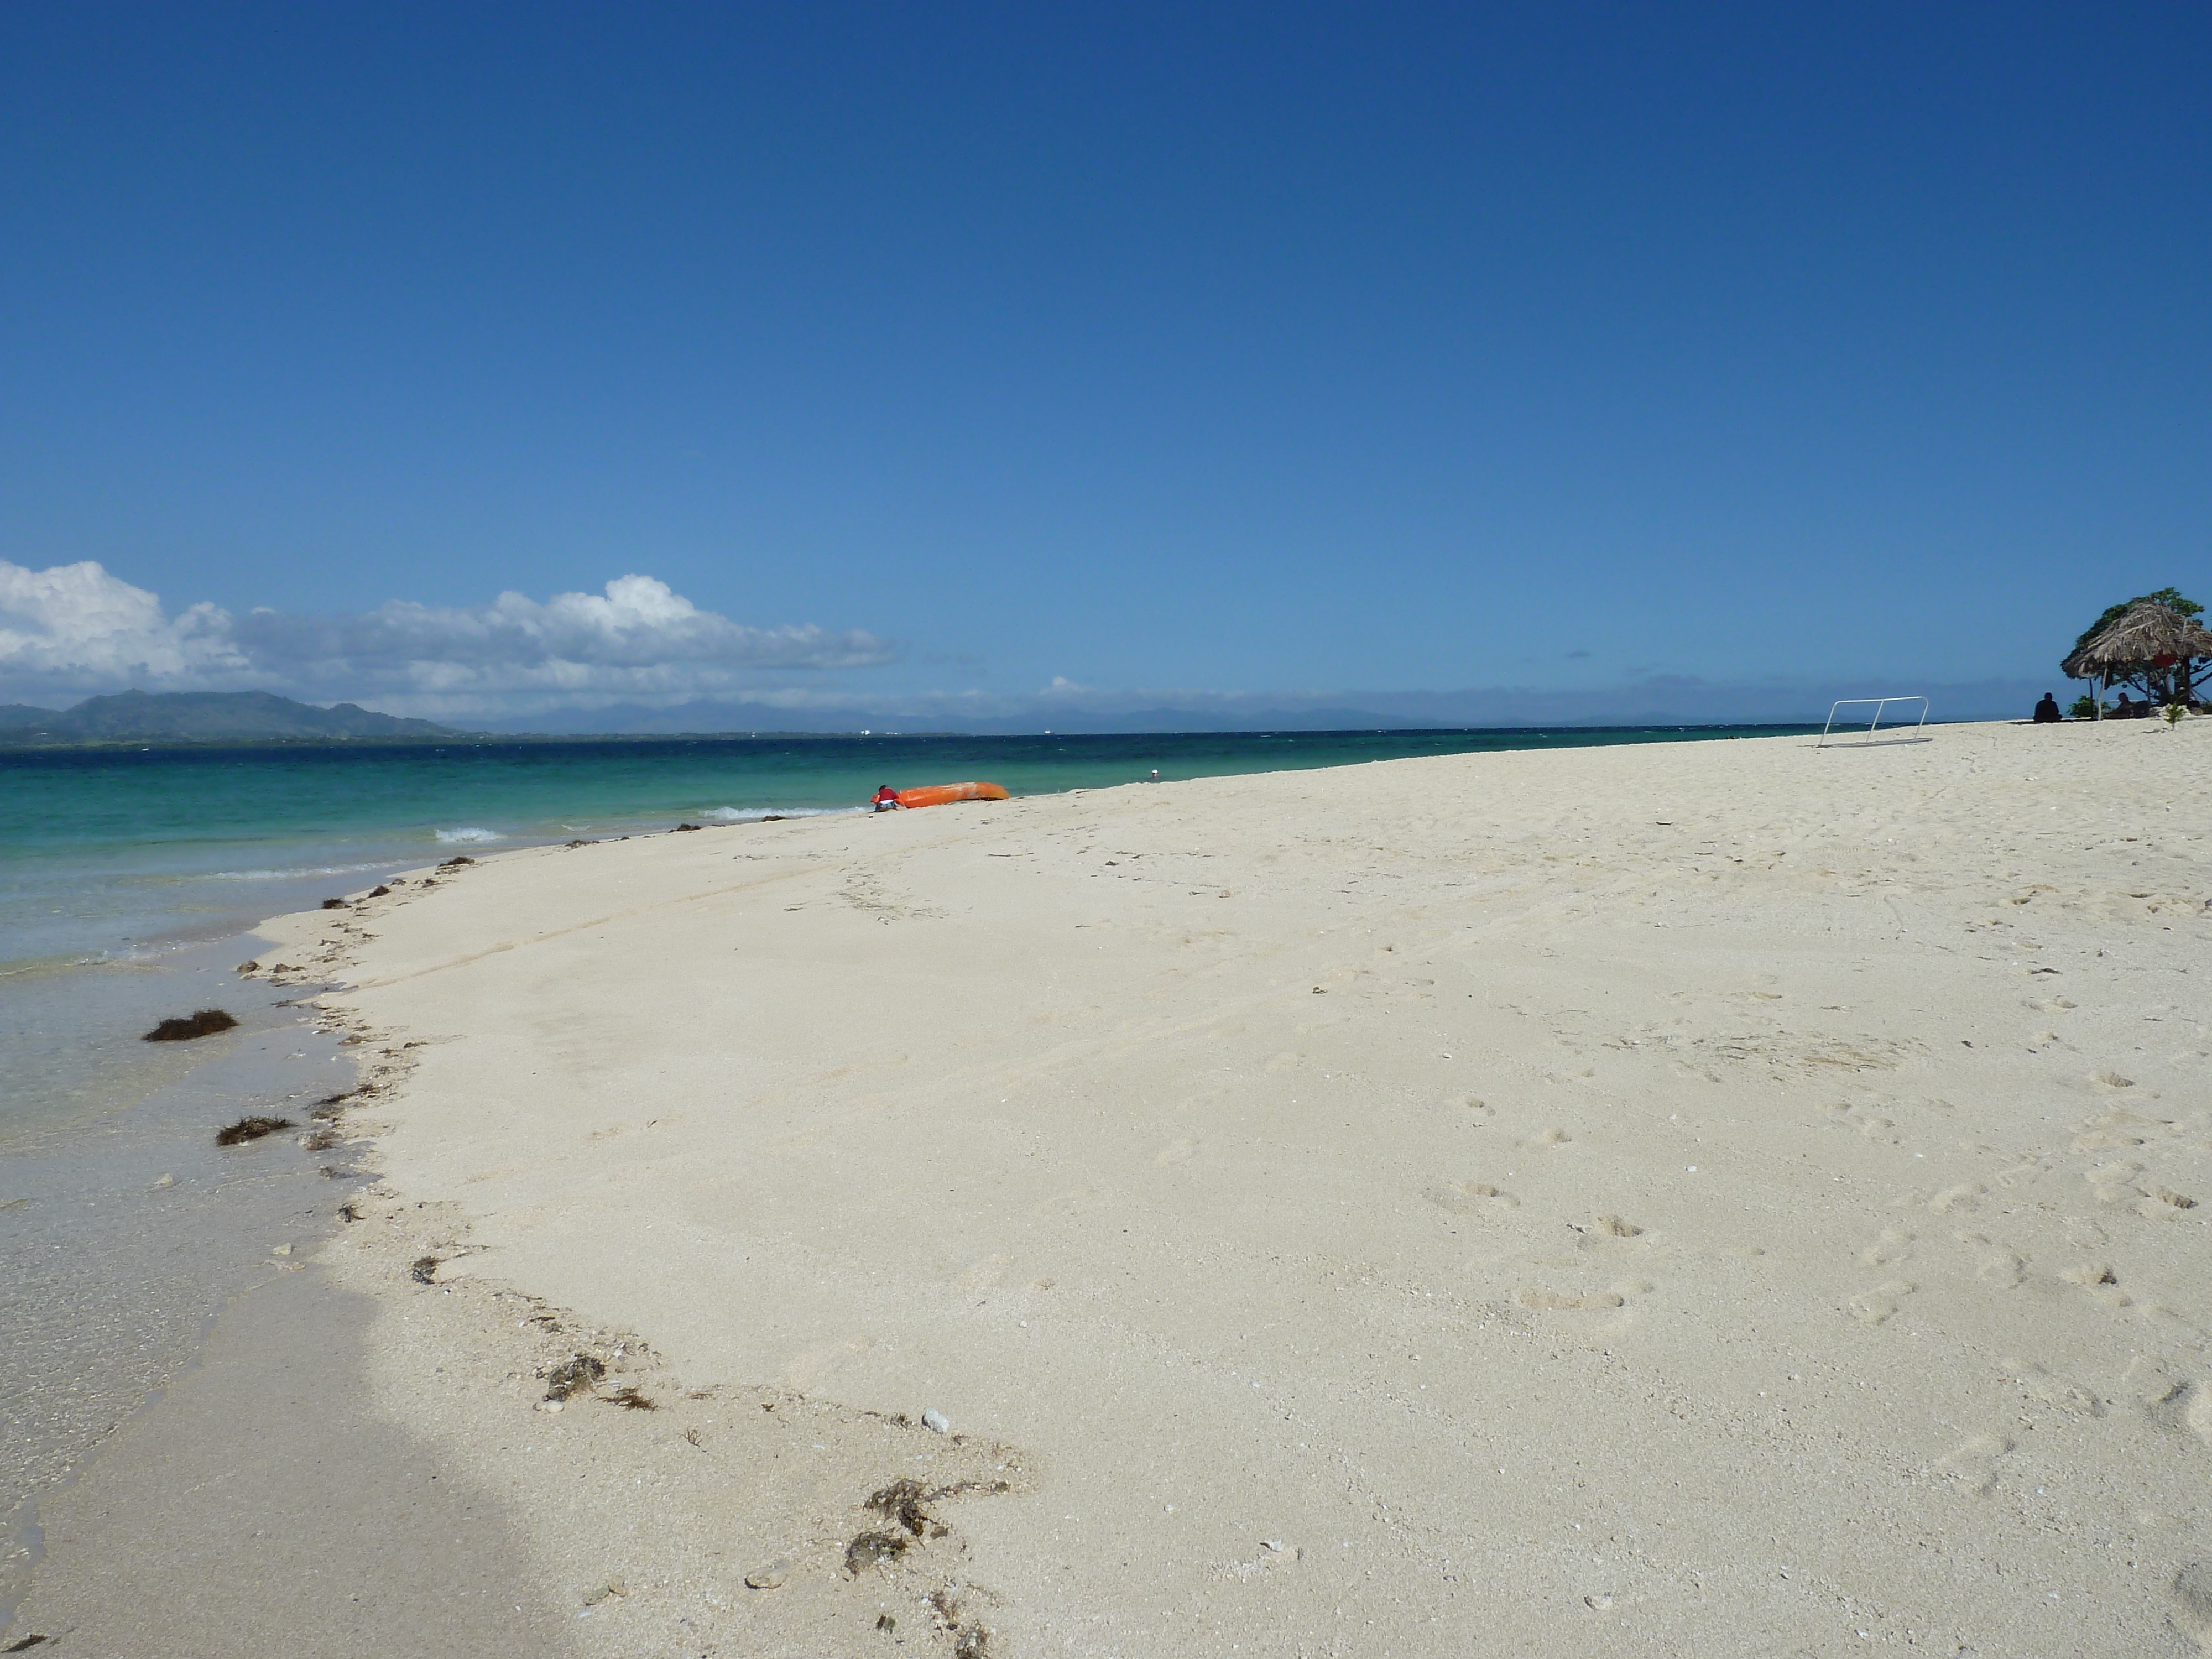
(2169, 684)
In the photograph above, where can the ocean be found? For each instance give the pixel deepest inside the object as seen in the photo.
(130, 880)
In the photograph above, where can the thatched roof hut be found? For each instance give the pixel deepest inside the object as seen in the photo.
(2137, 639)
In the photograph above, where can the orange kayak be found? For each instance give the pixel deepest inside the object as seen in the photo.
(941, 794)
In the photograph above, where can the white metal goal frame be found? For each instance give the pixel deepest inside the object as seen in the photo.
(1919, 727)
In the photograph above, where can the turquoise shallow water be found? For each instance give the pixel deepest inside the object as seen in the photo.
(110, 853)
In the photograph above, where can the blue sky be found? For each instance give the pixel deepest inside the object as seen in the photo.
(934, 354)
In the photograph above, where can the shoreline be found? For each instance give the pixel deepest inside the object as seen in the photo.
(1337, 1205)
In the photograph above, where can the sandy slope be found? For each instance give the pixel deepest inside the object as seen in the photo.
(1720, 1198)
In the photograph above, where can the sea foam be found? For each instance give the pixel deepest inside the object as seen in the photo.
(468, 837)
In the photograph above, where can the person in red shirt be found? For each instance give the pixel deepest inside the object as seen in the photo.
(887, 800)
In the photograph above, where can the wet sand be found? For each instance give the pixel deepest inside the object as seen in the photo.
(1723, 1197)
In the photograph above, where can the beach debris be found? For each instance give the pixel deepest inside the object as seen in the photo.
(350, 1212)
(936, 1421)
(166, 1180)
(331, 1105)
(280, 1250)
(206, 1023)
(970, 1640)
(456, 863)
(886, 1624)
(613, 1587)
(23, 1646)
(423, 1270)
(770, 1575)
(336, 904)
(321, 1140)
(573, 1376)
(379, 891)
(629, 1400)
(681, 827)
(583, 843)
(249, 967)
(871, 1548)
(249, 1128)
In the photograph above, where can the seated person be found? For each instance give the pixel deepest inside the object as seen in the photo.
(2127, 710)
(887, 800)
(2046, 712)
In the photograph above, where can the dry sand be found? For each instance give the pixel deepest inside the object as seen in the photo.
(1720, 1198)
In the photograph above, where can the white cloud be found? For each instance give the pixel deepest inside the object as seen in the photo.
(75, 629)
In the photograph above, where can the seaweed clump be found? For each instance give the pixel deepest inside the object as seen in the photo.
(249, 1128)
(336, 904)
(871, 1548)
(424, 1271)
(573, 1376)
(456, 863)
(629, 1400)
(681, 827)
(206, 1023)
(378, 891)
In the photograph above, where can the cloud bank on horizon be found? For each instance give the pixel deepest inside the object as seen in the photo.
(640, 657)
(75, 630)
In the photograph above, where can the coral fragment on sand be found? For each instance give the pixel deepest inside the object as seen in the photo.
(249, 1128)
(206, 1023)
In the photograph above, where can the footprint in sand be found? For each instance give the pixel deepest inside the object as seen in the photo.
(982, 1275)
(1881, 1303)
(1994, 1264)
(2191, 1603)
(1550, 1138)
(1966, 1195)
(1611, 1226)
(1893, 1245)
(1568, 1301)
(1974, 1465)
(1471, 1198)
(2045, 1389)
(1178, 1151)
(2170, 1401)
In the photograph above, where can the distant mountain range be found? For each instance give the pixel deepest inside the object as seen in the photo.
(202, 717)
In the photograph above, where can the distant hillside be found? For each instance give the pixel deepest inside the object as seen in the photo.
(202, 717)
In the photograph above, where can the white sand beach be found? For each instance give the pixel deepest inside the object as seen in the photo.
(1708, 1197)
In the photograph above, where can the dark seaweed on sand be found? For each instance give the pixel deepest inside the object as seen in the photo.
(683, 827)
(629, 1400)
(424, 1270)
(378, 891)
(335, 904)
(455, 864)
(573, 1376)
(206, 1023)
(321, 1140)
(23, 1646)
(249, 1128)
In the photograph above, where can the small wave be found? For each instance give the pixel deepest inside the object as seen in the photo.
(755, 814)
(468, 837)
